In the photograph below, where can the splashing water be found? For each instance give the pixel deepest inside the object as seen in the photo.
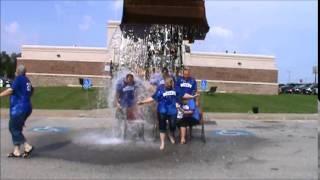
(161, 46)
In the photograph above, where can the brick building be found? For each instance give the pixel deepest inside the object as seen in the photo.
(64, 65)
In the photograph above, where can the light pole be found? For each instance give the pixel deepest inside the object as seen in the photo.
(289, 76)
(315, 72)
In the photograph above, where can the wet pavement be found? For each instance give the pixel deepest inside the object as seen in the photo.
(80, 148)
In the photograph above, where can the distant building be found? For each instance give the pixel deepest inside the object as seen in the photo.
(232, 72)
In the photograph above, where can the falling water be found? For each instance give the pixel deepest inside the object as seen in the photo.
(159, 47)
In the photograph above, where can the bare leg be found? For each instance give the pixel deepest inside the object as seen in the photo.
(16, 150)
(171, 138)
(27, 147)
(183, 131)
(162, 138)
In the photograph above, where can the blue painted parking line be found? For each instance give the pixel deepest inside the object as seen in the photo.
(232, 132)
(49, 129)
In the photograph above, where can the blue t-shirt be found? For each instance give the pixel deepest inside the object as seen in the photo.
(167, 99)
(20, 99)
(191, 106)
(187, 85)
(126, 94)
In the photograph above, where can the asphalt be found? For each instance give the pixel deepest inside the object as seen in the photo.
(267, 147)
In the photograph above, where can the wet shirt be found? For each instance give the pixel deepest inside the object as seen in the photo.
(20, 99)
(188, 85)
(126, 94)
(167, 99)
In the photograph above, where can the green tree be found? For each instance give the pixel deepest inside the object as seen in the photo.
(8, 64)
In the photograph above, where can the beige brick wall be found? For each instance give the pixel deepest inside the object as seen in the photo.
(50, 80)
(235, 74)
(64, 67)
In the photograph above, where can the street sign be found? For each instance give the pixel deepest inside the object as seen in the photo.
(87, 83)
(107, 68)
(204, 85)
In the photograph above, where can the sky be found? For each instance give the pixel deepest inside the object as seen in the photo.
(285, 29)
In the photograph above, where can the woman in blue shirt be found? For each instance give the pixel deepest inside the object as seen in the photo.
(20, 109)
(167, 98)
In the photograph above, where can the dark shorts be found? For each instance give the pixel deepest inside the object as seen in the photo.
(163, 118)
(187, 121)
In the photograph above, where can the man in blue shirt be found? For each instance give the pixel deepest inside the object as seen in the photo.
(20, 109)
(186, 83)
(126, 93)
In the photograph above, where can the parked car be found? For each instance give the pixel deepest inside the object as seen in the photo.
(315, 89)
(280, 86)
(4, 82)
(288, 88)
(299, 88)
(308, 89)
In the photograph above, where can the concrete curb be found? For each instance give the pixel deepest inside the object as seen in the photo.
(260, 116)
(100, 113)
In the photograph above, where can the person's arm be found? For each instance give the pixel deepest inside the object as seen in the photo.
(6, 92)
(116, 100)
(188, 96)
(188, 112)
(146, 101)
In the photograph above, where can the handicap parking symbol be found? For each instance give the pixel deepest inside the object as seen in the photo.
(49, 129)
(204, 84)
(232, 132)
(87, 83)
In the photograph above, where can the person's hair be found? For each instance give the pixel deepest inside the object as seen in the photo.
(169, 82)
(129, 75)
(186, 69)
(21, 70)
(165, 70)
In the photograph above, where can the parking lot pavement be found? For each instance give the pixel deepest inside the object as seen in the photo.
(81, 148)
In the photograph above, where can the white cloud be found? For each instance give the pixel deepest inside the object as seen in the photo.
(13, 36)
(221, 32)
(12, 27)
(86, 23)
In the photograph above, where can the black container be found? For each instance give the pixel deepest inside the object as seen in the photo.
(255, 109)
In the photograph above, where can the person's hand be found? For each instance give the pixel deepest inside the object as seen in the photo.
(119, 106)
(196, 95)
(140, 103)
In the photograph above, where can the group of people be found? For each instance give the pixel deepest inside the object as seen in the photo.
(176, 98)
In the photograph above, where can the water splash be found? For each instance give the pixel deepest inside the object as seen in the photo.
(161, 46)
